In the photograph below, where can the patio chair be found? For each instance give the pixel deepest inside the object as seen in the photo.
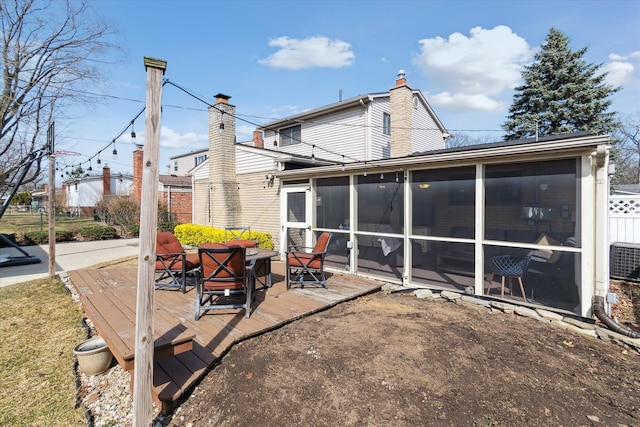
(510, 267)
(305, 266)
(172, 262)
(223, 275)
(240, 235)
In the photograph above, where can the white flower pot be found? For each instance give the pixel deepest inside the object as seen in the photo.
(93, 356)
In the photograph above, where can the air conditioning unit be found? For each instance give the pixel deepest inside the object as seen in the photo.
(624, 261)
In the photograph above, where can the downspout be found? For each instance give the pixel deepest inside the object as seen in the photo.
(602, 244)
(598, 311)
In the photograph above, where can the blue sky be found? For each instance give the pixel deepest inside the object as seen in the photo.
(277, 58)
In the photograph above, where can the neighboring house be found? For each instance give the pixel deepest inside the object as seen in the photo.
(238, 183)
(174, 191)
(82, 194)
(181, 165)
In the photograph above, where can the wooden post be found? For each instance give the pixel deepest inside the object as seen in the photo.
(51, 215)
(143, 371)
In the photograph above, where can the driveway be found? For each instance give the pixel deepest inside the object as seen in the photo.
(68, 256)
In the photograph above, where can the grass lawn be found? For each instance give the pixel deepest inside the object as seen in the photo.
(39, 326)
(25, 222)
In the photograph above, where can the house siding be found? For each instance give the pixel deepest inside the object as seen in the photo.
(185, 162)
(339, 133)
(202, 214)
(260, 205)
(379, 142)
(90, 192)
(249, 162)
(427, 135)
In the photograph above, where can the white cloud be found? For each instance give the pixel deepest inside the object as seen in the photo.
(461, 100)
(187, 141)
(473, 71)
(616, 57)
(171, 139)
(317, 51)
(618, 72)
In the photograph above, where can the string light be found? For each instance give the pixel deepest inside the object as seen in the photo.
(133, 133)
(114, 152)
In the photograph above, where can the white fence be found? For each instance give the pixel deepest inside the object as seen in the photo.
(624, 219)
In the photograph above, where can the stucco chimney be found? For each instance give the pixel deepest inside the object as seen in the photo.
(138, 156)
(401, 107)
(106, 181)
(257, 139)
(224, 200)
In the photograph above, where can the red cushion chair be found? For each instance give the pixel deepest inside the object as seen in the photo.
(305, 266)
(223, 274)
(172, 262)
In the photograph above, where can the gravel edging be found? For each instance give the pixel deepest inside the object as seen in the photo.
(106, 397)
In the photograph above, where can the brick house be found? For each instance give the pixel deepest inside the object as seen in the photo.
(174, 191)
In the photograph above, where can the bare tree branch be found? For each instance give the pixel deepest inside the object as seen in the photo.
(50, 53)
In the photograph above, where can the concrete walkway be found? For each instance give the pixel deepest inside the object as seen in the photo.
(69, 256)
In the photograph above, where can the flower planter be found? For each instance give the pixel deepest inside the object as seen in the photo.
(93, 356)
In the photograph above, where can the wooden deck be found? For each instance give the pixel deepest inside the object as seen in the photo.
(185, 349)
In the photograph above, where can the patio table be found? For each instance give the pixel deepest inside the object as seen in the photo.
(259, 260)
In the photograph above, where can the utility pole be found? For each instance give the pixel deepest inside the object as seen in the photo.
(144, 341)
(51, 214)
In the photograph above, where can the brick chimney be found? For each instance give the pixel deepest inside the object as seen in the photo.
(138, 156)
(257, 139)
(224, 201)
(401, 107)
(106, 181)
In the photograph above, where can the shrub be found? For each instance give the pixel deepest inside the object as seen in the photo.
(167, 226)
(42, 237)
(133, 230)
(98, 232)
(196, 235)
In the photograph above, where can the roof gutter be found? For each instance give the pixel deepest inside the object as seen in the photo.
(578, 145)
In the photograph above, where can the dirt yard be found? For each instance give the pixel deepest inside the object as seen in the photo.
(395, 360)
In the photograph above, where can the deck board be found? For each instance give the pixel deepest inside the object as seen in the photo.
(108, 297)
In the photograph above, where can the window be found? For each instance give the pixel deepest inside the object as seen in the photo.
(175, 166)
(290, 135)
(332, 202)
(199, 159)
(386, 123)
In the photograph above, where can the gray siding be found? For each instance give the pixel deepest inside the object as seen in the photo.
(339, 133)
(379, 142)
(426, 135)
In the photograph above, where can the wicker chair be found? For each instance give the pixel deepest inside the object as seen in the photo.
(510, 267)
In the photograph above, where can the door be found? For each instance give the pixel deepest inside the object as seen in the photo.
(296, 216)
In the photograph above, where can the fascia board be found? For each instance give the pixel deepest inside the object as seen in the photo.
(526, 151)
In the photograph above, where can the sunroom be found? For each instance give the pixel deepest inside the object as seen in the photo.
(533, 212)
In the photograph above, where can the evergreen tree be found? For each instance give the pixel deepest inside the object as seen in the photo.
(561, 93)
